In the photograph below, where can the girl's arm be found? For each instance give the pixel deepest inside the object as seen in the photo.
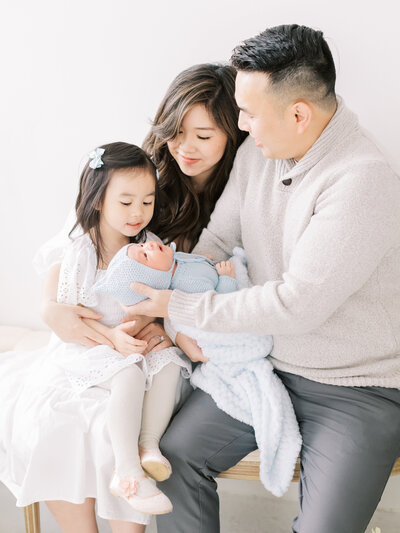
(120, 336)
(66, 320)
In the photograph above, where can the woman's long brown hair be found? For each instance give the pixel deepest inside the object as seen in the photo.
(183, 212)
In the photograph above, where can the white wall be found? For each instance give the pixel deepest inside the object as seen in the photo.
(77, 74)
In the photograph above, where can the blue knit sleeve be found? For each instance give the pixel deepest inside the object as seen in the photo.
(226, 284)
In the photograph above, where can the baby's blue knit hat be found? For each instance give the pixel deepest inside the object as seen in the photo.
(122, 271)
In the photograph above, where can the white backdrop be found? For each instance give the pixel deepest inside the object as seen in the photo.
(78, 74)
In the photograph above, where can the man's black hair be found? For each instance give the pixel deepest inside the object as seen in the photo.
(293, 57)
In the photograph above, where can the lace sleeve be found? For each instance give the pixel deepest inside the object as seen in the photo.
(78, 269)
(77, 274)
(52, 251)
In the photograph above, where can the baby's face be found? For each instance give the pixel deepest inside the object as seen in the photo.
(152, 254)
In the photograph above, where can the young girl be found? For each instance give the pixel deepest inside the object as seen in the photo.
(197, 113)
(116, 201)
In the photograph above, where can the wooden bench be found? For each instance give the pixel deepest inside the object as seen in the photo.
(248, 468)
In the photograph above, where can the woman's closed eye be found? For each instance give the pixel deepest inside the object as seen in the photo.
(126, 203)
(203, 138)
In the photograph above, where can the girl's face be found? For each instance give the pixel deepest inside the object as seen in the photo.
(199, 146)
(128, 203)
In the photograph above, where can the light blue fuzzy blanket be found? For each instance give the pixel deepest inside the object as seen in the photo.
(241, 381)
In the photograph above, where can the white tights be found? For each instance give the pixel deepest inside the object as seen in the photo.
(125, 420)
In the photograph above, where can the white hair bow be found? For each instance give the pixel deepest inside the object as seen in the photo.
(95, 156)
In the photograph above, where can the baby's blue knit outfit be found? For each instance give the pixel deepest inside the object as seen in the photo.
(194, 273)
(239, 377)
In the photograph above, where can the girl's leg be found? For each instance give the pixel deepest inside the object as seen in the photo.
(126, 527)
(158, 406)
(75, 518)
(124, 417)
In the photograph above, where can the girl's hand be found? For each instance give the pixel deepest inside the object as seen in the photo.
(66, 322)
(124, 343)
(191, 348)
(225, 268)
(155, 336)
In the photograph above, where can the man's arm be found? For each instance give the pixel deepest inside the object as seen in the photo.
(356, 222)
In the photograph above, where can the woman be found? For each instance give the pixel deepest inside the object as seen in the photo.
(193, 142)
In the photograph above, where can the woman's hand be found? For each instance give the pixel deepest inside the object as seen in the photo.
(66, 322)
(138, 322)
(155, 336)
(191, 348)
(124, 343)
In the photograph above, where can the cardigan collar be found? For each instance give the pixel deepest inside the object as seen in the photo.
(343, 124)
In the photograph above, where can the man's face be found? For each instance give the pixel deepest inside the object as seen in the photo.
(265, 117)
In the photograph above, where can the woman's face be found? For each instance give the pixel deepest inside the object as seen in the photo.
(199, 145)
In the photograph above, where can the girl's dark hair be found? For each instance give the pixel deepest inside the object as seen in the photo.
(183, 212)
(294, 57)
(93, 185)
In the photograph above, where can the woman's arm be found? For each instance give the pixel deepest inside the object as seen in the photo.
(67, 320)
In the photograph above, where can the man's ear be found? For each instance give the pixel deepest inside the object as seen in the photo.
(301, 113)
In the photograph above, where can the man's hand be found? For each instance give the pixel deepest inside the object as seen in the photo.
(191, 348)
(156, 305)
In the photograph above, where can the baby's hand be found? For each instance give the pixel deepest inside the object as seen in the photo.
(210, 257)
(225, 268)
(124, 343)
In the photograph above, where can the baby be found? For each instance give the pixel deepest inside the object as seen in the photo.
(161, 267)
(238, 376)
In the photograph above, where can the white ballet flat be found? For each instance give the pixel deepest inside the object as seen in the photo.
(128, 488)
(155, 464)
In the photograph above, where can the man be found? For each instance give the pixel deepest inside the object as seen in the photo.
(316, 208)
